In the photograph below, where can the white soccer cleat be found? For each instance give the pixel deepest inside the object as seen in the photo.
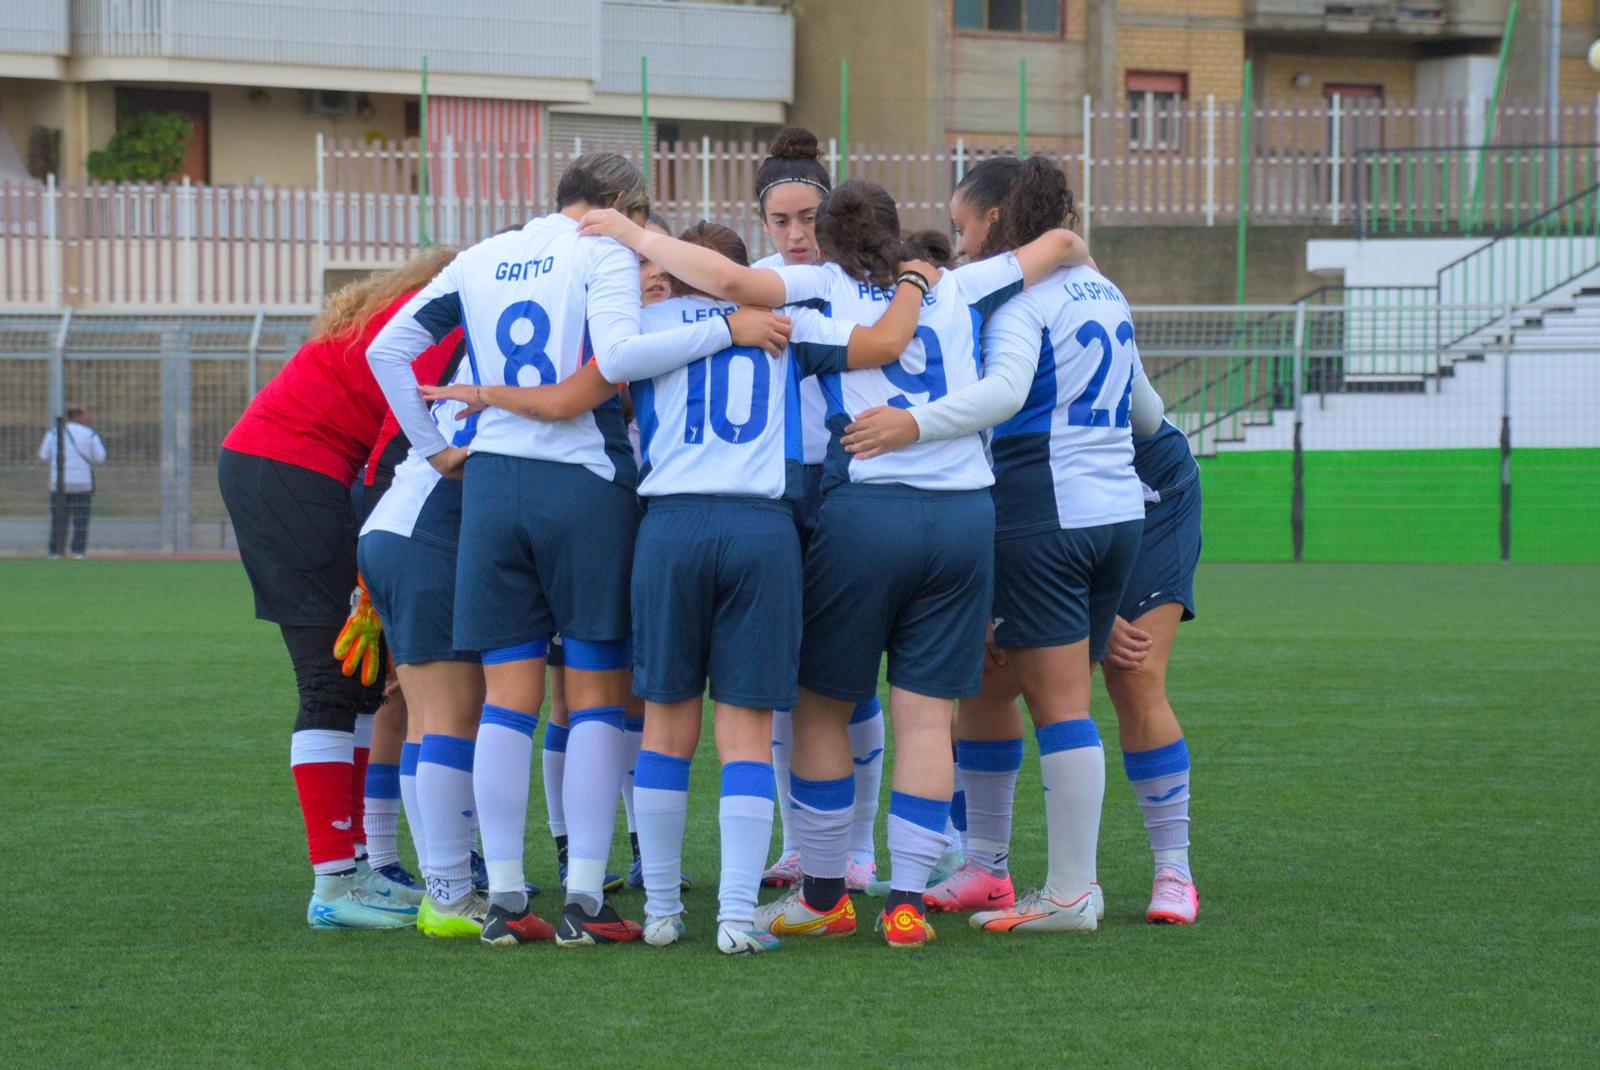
(858, 875)
(791, 915)
(663, 932)
(1173, 899)
(1041, 912)
(393, 883)
(734, 939)
(1099, 900)
(783, 873)
(341, 903)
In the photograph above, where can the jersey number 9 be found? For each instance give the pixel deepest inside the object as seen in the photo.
(929, 381)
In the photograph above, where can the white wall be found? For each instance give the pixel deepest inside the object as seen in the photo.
(1388, 261)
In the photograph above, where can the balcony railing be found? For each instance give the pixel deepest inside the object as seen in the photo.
(542, 39)
(38, 27)
(703, 50)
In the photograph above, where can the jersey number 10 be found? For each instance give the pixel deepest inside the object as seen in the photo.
(717, 367)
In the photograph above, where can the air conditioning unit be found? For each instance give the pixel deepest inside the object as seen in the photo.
(330, 103)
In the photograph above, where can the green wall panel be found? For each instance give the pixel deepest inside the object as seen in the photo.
(1403, 505)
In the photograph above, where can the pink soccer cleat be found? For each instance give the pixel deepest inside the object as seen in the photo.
(783, 873)
(971, 888)
(1173, 899)
(857, 875)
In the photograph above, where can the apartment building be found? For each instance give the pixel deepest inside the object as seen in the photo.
(260, 79)
(938, 70)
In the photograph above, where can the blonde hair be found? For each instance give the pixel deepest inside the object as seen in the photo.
(350, 307)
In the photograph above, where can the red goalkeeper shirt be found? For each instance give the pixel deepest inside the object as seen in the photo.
(324, 410)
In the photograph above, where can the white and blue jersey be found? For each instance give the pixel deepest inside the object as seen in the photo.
(813, 410)
(528, 300)
(1164, 462)
(729, 423)
(420, 503)
(944, 356)
(1065, 460)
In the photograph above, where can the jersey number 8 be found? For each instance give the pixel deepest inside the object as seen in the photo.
(719, 366)
(529, 354)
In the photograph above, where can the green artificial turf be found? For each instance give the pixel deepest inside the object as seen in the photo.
(1394, 838)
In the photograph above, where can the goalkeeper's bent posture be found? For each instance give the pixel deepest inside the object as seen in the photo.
(285, 472)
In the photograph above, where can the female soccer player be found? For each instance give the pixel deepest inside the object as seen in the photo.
(901, 559)
(716, 579)
(408, 558)
(1160, 595)
(285, 473)
(790, 185)
(548, 521)
(652, 290)
(1069, 510)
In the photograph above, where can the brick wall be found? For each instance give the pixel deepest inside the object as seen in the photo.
(1213, 59)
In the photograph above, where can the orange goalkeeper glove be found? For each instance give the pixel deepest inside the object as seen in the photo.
(357, 645)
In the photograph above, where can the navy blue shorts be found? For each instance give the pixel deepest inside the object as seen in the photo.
(1060, 587)
(911, 572)
(413, 588)
(716, 592)
(809, 508)
(545, 547)
(1169, 553)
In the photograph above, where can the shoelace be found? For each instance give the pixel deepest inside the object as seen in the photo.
(1171, 888)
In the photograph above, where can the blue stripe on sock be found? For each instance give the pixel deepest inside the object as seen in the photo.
(532, 650)
(1067, 735)
(517, 722)
(555, 737)
(408, 758)
(383, 781)
(867, 710)
(958, 811)
(1162, 761)
(824, 794)
(591, 656)
(606, 715)
(749, 778)
(989, 755)
(633, 724)
(661, 771)
(931, 814)
(452, 751)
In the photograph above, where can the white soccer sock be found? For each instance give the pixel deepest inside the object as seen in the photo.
(866, 750)
(633, 739)
(745, 815)
(502, 763)
(661, 801)
(820, 810)
(409, 754)
(1072, 764)
(597, 762)
(1160, 780)
(445, 799)
(782, 743)
(381, 808)
(555, 770)
(988, 769)
(916, 839)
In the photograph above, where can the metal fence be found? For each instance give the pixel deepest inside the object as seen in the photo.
(1383, 168)
(1308, 447)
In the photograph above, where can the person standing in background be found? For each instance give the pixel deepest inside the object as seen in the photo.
(81, 450)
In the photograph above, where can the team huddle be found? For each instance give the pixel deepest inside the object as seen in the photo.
(640, 467)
